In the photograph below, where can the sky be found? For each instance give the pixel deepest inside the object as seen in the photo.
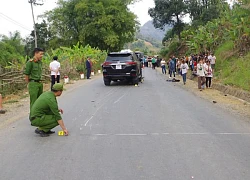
(17, 16)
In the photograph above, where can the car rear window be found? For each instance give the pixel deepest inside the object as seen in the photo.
(119, 57)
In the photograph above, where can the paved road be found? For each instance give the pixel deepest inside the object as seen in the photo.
(157, 131)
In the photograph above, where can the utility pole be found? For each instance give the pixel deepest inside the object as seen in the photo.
(31, 4)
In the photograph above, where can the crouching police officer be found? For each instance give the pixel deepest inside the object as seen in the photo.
(45, 113)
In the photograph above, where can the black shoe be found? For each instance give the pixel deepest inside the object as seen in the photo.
(41, 133)
(2, 111)
(50, 132)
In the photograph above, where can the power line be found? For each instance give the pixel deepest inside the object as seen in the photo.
(13, 21)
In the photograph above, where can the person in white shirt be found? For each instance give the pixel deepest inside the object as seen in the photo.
(201, 74)
(184, 68)
(209, 57)
(163, 66)
(208, 74)
(212, 61)
(55, 73)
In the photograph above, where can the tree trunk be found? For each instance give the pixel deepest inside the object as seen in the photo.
(178, 29)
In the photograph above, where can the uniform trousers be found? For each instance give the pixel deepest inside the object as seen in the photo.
(35, 90)
(45, 122)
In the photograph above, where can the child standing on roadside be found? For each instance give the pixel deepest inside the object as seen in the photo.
(201, 74)
(163, 66)
(184, 68)
(209, 75)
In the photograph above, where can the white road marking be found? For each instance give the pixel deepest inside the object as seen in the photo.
(130, 134)
(154, 134)
(165, 133)
(88, 120)
(232, 133)
(93, 115)
(190, 133)
(101, 134)
(119, 99)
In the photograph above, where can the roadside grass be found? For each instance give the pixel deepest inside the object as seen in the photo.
(10, 102)
(233, 70)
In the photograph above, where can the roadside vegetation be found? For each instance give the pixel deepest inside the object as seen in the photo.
(72, 31)
(215, 27)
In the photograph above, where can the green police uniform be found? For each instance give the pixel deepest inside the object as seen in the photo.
(44, 113)
(34, 71)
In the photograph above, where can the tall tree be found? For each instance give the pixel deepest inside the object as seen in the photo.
(106, 24)
(43, 37)
(202, 11)
(169, 12)
(12, 49)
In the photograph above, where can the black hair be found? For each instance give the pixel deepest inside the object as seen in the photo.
(38, 50)
(53, 90)
(55, 58)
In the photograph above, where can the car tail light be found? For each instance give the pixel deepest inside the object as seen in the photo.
(131, 63)
(106, 63)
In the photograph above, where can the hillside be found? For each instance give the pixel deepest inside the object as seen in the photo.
(148, 39)
(144, 46)
(148, 31)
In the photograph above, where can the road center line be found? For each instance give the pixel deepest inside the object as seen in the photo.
(93, 114)
(130, 134)
(156, 134)
(88, 120)
(119, 99)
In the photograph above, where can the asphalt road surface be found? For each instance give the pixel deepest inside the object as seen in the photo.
(156, 131)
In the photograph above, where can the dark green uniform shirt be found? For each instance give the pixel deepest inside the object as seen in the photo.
(33, 69)
(46, 104)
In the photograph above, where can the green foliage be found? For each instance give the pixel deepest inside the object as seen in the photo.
(73, 59)
(43, 38)
(164, 52)
(168, 36)
(107, 25)
(173, 48)
(169, 12)
(204, 11)
(236, 73)
(12, 50)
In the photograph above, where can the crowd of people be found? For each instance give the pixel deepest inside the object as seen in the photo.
(202, 66)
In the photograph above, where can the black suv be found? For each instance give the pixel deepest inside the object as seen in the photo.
(122, 66)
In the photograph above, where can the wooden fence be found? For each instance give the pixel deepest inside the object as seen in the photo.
(13, 80)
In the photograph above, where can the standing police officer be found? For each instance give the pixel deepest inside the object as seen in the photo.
(33, 75)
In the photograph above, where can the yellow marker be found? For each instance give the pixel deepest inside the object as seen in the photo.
(60, 133)
(136, 85)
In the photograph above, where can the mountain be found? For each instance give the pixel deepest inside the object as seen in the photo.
(148, 39)
(148, 31)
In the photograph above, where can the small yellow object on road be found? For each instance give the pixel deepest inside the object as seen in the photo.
(60, 133)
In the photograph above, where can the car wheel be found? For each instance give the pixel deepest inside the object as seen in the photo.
(107, 82)
(136, 80)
